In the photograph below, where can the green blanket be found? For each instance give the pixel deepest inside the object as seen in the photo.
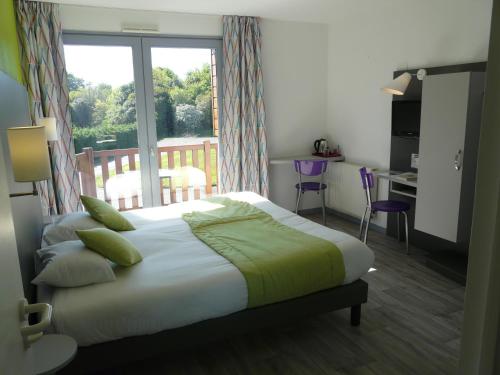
(278, 262)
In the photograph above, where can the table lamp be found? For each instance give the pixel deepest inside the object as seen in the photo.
(29, 155)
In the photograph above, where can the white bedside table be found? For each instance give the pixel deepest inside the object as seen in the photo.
(52, 352)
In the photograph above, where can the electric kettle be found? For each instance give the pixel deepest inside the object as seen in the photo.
(320, 145)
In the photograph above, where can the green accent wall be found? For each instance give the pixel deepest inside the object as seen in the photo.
(9, 47)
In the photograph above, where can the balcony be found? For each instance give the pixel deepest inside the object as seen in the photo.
(186, 171)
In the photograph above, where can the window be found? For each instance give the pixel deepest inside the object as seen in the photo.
(145, 117)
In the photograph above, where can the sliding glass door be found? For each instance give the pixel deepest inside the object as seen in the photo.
(145, 117)
(183, 112)
(106, 88)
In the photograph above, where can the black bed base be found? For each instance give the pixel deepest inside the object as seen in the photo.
(112, 354)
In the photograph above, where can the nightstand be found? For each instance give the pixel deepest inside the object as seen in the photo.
(52, 352)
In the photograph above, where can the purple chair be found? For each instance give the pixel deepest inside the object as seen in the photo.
(311, 168)
(382, 206)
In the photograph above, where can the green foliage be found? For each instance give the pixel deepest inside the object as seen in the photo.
(89, 104)
(181, 108)
(165, 115)
(164, 82)
(126, 137)
(121, 107)
(198, 82)
(189, 119)
(164, 79)
(75, 83)
(204, 105)
(193, 104)
(81, 111)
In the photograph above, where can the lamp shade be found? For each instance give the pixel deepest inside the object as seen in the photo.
(50, 127)
(29, 153)
(398, 85)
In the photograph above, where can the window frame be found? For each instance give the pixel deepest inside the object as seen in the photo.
(141, 45)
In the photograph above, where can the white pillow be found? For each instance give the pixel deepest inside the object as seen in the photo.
(64, 228)
(71, 264)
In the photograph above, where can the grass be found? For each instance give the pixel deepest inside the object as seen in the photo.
(177, 163)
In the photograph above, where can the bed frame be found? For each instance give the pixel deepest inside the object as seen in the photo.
(114, 353)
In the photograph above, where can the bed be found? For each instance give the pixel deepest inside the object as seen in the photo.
(184, 293)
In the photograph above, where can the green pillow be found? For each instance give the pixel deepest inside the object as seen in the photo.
(110, 245)
(106, 214)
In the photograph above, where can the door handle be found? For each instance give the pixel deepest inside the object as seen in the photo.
(32, 333)
(457, 163)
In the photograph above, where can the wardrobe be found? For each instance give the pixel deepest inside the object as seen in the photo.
(440, 217)
(449, 136)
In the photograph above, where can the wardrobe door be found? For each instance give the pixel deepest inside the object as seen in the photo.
(441, 148)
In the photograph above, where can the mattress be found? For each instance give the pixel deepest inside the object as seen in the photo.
(180, 280)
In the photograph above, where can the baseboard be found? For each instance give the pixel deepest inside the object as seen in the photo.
(310, 211)
(352, 219)
(450, 264)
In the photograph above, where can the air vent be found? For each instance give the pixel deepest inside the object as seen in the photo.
(141, 29)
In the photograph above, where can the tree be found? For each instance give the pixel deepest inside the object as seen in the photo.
(75, 83)
(180, 96)
(188, 120)
(193, 103)
(102, 91)
(100, 112)
(204, 105)
(81, 110)
(82, 105)
(121, 108)
(198, 82)
(182, 107)
(164, 79)
(165, 115)
(101, 95)
(165, 82)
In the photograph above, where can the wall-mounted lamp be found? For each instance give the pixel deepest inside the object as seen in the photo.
(50, 124)
(50, 127)
(29, 155)
(399, 84)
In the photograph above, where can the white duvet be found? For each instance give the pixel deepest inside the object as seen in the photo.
(180, 280)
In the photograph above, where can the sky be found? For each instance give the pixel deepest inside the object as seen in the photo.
(113, 65)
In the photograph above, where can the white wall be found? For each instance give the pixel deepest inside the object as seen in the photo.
(368, 40)
(294, 66)
(325, 80)
(82, 18)
(294, 60)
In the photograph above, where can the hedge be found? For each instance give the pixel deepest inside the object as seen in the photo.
(126, 137)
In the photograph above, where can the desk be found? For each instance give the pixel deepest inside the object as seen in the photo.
(399, 184)
(290, 159)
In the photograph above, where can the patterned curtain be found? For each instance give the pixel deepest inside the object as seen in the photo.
(243, 149)
(44, 70)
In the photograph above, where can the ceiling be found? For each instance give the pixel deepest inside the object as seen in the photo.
(290, 10)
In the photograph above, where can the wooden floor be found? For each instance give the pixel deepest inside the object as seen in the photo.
(410, 325)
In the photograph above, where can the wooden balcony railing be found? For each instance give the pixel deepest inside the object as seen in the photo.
(120, 168)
